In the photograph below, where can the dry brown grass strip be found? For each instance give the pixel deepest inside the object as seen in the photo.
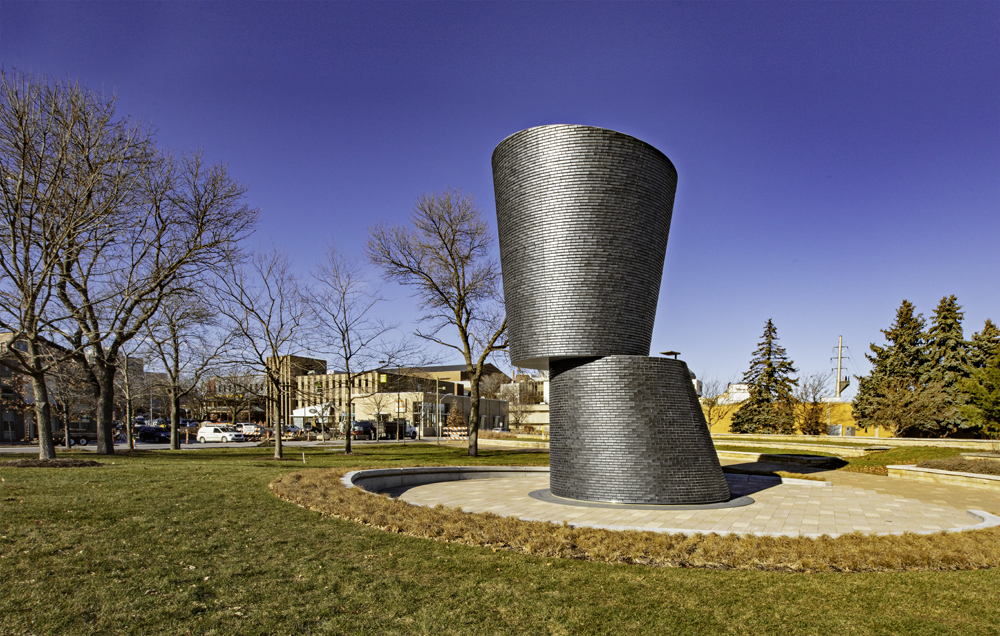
(961, 465)
(49, 463)
(320, 490)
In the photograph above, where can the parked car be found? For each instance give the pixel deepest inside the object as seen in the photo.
(153, 435)
(218, 433)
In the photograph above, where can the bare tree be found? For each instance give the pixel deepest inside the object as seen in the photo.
(237, 389)
(70, 388)
(445, 257)
(343, 303)
(809, 407)
(187, 345)
(264, 304)
(517, 407)
(131, 385)
(197, 400)
(181, 221)
(380, 403)
(714, 402)
(489, 386)
(66, 163)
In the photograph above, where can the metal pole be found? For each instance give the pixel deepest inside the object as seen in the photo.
(840, 354)
(437, 413)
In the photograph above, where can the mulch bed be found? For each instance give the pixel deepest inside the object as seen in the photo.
(49, 463)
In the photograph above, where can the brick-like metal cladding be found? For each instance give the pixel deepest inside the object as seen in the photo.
(630, 429)
(583, 215)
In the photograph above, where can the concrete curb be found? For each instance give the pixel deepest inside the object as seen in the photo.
(385, 478)
(986, 520)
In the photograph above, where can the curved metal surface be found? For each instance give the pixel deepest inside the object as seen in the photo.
(583, 216)
(630, 429)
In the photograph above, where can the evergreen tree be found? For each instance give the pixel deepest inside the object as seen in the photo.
(456, 419)
(947, 355)
(984, 345)
(983, 389)
(770, 406)
(901, 362)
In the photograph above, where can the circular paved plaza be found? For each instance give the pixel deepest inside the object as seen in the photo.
(848, 502)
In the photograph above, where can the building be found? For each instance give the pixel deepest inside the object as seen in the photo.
(280, 406)
(14, 390)
(419, 396)
(236, 398)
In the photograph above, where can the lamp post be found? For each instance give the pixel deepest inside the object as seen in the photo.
(400, 434)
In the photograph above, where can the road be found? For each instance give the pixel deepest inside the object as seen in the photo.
(32, 448)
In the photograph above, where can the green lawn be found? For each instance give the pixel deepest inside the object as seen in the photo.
(193, 542)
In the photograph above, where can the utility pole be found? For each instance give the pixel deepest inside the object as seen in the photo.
(842, 381)
(840, 357)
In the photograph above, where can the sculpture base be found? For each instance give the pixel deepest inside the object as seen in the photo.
(630, 429)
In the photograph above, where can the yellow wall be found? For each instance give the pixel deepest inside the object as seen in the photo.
(839, 415)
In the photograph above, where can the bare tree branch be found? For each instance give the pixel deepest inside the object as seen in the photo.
(445, 259)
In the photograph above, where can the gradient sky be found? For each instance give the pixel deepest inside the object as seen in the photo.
(834, 158)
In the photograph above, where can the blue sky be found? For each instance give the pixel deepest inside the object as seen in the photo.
(834, 158)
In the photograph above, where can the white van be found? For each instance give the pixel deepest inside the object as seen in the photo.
(219, 433)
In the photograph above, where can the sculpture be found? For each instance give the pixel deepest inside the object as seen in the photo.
(583, 216)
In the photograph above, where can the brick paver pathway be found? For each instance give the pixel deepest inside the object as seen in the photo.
(854, 502)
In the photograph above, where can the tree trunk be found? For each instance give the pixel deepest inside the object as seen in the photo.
(129, 416)
(347, 441)
(43, 418)
(105, 409)
(175, 415)
(278, 423)
(474, 415)
(65, 419)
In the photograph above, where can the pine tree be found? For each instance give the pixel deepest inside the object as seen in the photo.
(984, 345)
(902, 360)
(947, 354)
(982, 388)
(769, 408)
(456, 419)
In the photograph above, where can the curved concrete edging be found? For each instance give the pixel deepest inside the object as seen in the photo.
(377, 480)
(986, 519)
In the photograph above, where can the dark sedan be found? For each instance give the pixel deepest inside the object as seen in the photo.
(153, 435)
